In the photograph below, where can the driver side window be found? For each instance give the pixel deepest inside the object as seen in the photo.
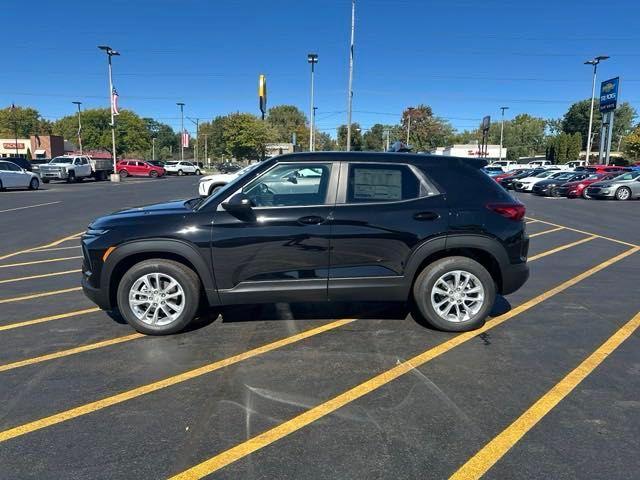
(289, 185)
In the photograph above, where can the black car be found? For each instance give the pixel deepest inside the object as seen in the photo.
(548, 188)
(507, 182)
(20, 161)
(156, 163)
(317, 227)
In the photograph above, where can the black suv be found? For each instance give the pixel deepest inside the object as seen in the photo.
(311, 227)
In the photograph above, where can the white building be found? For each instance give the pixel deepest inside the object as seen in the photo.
(470, 150)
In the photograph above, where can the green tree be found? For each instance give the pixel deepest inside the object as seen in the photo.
(575, 145)
(577, 120)
(245, 136)
(374, 139)
(523, 136)
(214, 130)
(166, 139)
(26, 120)
(427, 131)
(356, 137)
(324, 142)
(287, 119)
(632, 144)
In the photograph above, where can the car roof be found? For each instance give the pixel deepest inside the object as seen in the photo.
(378, 157)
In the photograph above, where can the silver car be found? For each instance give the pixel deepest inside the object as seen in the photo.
(622, 187)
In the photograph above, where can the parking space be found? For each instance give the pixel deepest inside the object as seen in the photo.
(320, 391)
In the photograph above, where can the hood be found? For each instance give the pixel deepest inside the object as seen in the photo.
(148, 213)
(175, 206)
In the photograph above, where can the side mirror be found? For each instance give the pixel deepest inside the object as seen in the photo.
(240, 206)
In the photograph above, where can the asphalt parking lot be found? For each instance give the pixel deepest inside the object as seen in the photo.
(549, 388)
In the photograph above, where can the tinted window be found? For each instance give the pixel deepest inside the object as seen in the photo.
(12, 167)
(381, 183)
(141, 164)
(290, 185)
(3, 166)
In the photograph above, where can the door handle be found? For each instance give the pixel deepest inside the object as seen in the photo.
(426, 216)
(311, 220)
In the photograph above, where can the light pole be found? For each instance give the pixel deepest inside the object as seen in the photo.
(502, 129)
(312, 58)
(595, 61)
(410, 110)
(112, 53)
(181, 105)
(350, 93)
(206, 154)
(79, 126)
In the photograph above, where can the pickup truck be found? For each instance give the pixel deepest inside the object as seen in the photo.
(75, 168)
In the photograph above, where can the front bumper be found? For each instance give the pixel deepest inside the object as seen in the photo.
(601, 192)
(96, 295)
(53, 175)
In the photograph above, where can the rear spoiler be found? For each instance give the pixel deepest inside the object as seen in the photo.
(471, 162)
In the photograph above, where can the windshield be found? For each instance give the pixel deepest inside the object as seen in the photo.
(544, 174)
(61, 160)
(564, 176)
(232, 185)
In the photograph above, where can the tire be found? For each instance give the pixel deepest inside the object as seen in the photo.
(123, 173)
(45, 180)
(584, 194)
(153, 174)
(1, 186)
(185, 278)
(424, 289)
(34, 184)
(214, 189)
(198, 172)
(71, 178)
(623, 193)
(554, 193)
(180, 173)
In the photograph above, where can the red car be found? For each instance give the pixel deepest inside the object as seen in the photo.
(578, 188)
(139, 168)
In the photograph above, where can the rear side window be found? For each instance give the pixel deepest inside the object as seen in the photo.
(466, 184)
(381, 183)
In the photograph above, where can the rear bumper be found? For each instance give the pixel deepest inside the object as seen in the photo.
(514, 277)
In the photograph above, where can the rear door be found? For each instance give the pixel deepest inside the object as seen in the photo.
(383, 212)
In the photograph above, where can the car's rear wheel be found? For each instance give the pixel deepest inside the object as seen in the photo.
(153, 174)
(623, 193)
(34, 184)
(123, 173)
(159, 296)
(180, 172)
(454, 294)
(71, 177)
(198, 172)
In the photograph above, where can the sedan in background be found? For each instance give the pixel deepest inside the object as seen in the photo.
(508, 181)
(139, 168)
(493, 171)
(548, 187)
(14, 176)
(578, 188)
(622, 187)
(527, 183)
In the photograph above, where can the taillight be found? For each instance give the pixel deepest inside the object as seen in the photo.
(512, 211)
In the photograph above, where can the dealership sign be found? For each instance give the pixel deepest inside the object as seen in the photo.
(609, 94)
(13, 145)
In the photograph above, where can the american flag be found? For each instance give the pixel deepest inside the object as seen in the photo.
(185, 139)
(114, 102)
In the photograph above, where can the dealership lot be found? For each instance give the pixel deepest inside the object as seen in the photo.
(317, 391)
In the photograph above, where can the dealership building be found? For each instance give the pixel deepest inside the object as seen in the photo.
(37, 146)
(470, 150)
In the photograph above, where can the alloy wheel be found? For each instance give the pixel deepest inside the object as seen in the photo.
(157, 299)
(457, 296)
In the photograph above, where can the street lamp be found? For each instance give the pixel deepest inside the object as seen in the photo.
(79, 126)
(595, 61)
(410, 109)
(115, 177)
(312, 58)
(181, 105)
(502, 129)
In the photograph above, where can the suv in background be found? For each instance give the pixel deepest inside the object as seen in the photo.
(139, 168)
(181, 168)
(312, 227)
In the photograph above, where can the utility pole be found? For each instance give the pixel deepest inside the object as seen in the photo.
(353, 28)
(15, 127)
(206, 154)
(196, 122)
(312, 58)
(112, 53)
(153, 148)
(181, 105)
(410, 109)
(79, 126)
(387, 134)
(502, 129)
(595, 61)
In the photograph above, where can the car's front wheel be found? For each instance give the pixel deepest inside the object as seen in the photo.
(159, 296)
(198, 172)
(454, 294)
(34, 184)
(623, 193)
(153, 174)
(180, 173)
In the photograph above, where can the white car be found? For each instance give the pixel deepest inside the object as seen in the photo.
(526, 184)
(181, 168)
(212, 183)
(13, 176)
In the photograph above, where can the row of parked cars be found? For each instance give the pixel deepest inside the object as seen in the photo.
(594, 181)
(17, 172)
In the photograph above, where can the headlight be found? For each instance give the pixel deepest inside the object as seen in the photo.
(94, 232)
(581, 185)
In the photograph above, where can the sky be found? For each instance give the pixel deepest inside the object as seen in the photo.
(464, 58)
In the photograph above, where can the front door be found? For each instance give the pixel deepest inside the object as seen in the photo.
(279, 252)
(10, 174)
(383, 212)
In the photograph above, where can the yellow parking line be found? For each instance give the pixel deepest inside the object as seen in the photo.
(52, 244)
(589, 233)
(532, 221)
(493, 451)
(38, 250)
(59, 316)
(42, 275)
(546, 231)
(70, 351)
(562, 247)
(160, 384)
(35, 262)
(39, 295)
(270, 436)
